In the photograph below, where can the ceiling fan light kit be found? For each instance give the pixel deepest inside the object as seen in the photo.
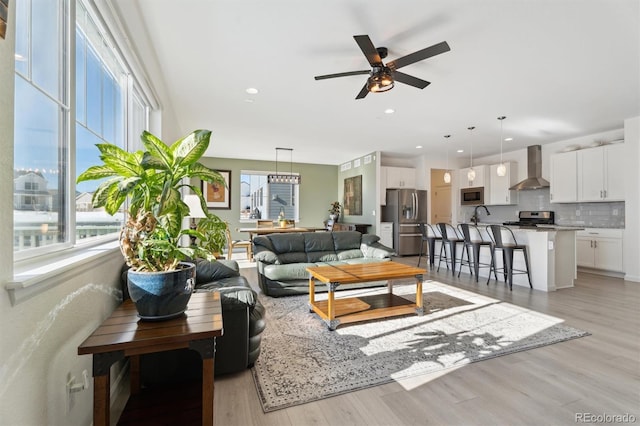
(383, 77)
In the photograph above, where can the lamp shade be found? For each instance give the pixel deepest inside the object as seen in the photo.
(195, 208)
(501, 170)
(447, 177)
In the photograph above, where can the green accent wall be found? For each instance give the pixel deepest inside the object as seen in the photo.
(366, 166)
(317, 190)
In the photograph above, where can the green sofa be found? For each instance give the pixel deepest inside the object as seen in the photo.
(282, 259)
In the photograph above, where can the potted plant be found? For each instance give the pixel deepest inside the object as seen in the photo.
(334, 211)
(212, 234)
(159, 282)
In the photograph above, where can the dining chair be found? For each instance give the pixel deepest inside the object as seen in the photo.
(264, 223)
(231, 244)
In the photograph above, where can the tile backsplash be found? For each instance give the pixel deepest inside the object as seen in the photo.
(591, 215)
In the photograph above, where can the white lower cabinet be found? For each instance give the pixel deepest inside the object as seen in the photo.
(600, 249)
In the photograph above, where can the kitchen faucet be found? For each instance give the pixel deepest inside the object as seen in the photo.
(474, 218)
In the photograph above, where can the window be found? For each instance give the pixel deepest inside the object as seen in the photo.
(262, 200)
(41, 116)
(50, 211)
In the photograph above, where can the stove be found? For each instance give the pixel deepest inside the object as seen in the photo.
(533, 218)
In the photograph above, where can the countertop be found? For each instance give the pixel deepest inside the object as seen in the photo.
(539, 228)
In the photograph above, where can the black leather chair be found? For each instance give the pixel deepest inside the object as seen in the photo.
(236, 350)
(504, 240)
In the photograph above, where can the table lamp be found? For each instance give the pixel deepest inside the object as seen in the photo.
(195, 212)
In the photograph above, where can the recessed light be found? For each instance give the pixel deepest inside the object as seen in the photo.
(460, 151)
(252, 90)
(508, 139)
(249, 101)
(389, 111)
(418, 146)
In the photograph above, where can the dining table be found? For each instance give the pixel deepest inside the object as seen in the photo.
(276, 230)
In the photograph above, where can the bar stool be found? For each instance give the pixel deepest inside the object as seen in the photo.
(430, 236)
(508, 245)
(473, 239)
(449, 238)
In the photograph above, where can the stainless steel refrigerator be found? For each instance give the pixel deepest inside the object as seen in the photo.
(406, 208)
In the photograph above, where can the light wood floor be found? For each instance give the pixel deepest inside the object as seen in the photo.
(598, 374)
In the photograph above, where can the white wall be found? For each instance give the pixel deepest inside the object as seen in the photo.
(632, 204)
(39, 336)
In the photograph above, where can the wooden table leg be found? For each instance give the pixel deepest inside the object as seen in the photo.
(101, 400)
(207, 391)
(419, 302)
(207, 349)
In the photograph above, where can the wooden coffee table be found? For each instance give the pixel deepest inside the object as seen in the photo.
(351, 309)
(123, 334)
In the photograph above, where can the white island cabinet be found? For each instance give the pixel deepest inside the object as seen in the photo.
(552, 257)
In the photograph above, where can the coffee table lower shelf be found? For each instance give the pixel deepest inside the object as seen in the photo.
(355, 309)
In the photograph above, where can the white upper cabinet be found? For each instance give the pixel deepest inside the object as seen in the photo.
(480, 179)
(564, 178)
(400, 177)
(499, 193)
(600, 173)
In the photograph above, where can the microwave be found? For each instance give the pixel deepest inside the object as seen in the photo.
(472, 196)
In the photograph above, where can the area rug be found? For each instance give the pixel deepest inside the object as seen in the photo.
(302, 361)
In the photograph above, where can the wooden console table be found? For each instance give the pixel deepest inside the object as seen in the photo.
(123, 334)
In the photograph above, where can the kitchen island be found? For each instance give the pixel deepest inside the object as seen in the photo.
(552, 256)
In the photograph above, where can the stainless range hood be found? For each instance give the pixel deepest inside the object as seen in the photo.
(534, 171)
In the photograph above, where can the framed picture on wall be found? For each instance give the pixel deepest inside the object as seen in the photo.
(218, 196)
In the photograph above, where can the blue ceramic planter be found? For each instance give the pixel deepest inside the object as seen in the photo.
(162, 295)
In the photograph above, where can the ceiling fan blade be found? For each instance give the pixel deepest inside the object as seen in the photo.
(341, 74)
(420, 55)
(369, 50)
(364, 92)
(410, 80)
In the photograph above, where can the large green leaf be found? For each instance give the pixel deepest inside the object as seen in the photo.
(101, 194)
(191, 148)
(157, 148)
(202, 172)
(96, 172)
(150, 161)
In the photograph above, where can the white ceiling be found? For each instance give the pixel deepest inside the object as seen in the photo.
(557, 69)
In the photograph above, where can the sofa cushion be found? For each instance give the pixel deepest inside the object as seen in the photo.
(287, 242)
(346, 240)
(370, 238)
(294, 271)
(207, 272)
(318, 241)
(322, 256)
(349, 254)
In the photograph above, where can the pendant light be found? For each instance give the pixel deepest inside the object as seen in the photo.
(471, 174)
(289, 178)
(501, 170)
(447, 174)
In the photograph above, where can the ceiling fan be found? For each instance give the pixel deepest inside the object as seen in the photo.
(382, 77)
